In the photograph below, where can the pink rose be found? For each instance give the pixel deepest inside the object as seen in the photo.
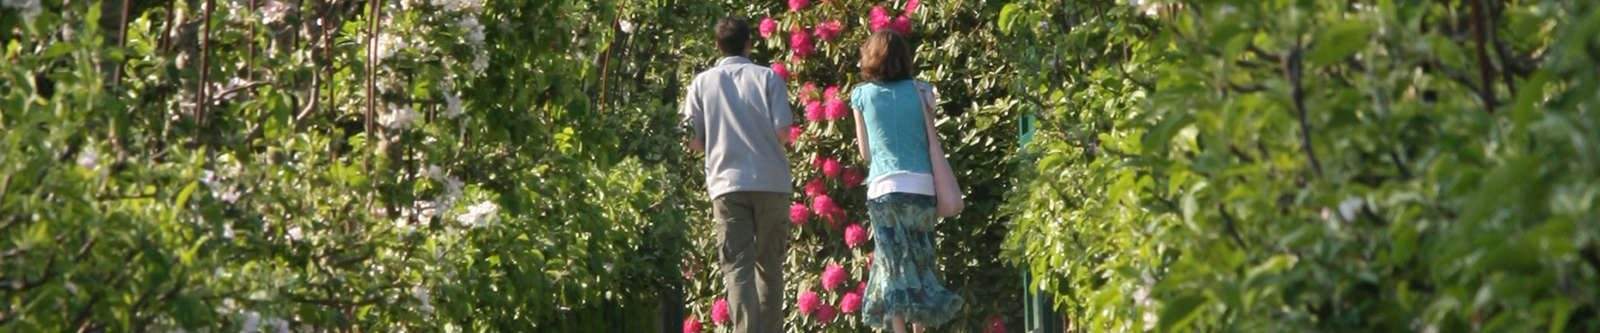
(835, 110)
(830, 167)
(879, 18)
(814, 111)
(815, 187)
(768, 26)
(833, 275)
(719, 312)
(997, 324)
(797, 5)
(798, 214)
(850, 303)
(800, 42)
(826, 314)
(854, 235)
(829, 30)
(691, 325)
(832, 93)
(911, 6)
(808, 92)
(901, 25)
(781, 70)
(852, 177)
(795, 131)
(823, 206)
(807, 302)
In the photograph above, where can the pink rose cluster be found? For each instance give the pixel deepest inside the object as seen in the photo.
(795, 132)
(881, 19)
(852, 177)
(781, 70)
(815, 188)
(830, 107)
(830, 30)
(799, 214)
(997, 324)
(833, 275)
(798, 5)
(830, 167)
(691, 325)
(824, 207)
(855, 235)
(807, 302)
(851, 302)
(767, 27)
(800, 43)
(719, 312)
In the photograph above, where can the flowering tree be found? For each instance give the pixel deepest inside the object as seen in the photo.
(813, 46)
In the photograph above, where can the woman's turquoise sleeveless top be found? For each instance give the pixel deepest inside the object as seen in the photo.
(896, 134)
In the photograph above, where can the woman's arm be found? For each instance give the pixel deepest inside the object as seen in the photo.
(934, 146)
(861, 137)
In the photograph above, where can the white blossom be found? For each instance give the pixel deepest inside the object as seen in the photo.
(452, 106)
(278, 325)
(422, 295)
(89, 157)
(273, 12)
(1349, 208)
(28, 8)
(480, 63)
(480, 215)
(626, 26)
(388, 45)
(399, 117)
(252, 322)
(459, 5)
(474, 30)
(433, 172)
(295, 234)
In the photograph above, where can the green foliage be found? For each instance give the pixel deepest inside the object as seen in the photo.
(289, 201)
(1312, 165)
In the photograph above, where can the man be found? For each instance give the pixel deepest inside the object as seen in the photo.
(739, 114)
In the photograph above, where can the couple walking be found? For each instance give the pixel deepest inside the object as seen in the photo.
(739, 114)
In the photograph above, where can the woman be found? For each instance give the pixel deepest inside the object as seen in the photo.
(894, 134)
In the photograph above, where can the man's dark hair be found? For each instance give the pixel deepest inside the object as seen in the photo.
(733, 35)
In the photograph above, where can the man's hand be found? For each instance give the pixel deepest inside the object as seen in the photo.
(696, 146)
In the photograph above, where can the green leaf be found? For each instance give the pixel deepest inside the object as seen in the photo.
(182, 201)
(1156, 141)
(1339, 42)
(1008, 17)
(1180, 312)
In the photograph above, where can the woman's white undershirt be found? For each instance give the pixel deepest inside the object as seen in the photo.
(902, 182)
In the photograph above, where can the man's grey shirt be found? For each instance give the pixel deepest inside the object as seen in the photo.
(736, 109)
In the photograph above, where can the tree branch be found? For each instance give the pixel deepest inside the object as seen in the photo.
(1486, 71)
(1292, 70)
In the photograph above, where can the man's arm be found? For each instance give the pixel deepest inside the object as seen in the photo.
(778, 107)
